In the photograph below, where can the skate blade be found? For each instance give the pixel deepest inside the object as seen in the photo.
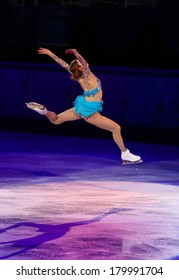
(126, 162)
(32, 105)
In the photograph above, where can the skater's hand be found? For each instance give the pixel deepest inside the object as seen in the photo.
(73, 51)
(43, 51)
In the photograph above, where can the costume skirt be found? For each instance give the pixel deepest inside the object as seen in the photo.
(85, 108)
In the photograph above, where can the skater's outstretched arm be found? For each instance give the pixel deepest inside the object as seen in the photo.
(54, 57)
(80, 59)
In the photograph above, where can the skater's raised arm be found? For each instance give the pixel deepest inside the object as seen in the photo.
(80, 59)
(54, 57)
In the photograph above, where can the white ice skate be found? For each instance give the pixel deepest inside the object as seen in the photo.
(128, 158)
(41, 109)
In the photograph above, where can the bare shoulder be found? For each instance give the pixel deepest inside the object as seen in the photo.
(90, 74)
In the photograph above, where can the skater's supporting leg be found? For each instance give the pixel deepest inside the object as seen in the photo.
(107, 124)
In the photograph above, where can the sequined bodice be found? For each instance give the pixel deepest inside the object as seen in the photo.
(93, 91)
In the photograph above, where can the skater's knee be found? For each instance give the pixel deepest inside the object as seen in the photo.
(56, 120)
(116, 128)
(53, 120)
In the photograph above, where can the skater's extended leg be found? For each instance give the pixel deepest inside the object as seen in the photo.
(68, 115)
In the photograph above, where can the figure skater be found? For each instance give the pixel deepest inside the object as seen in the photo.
(86, 106)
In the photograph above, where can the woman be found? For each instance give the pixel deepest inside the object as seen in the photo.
(88, 105)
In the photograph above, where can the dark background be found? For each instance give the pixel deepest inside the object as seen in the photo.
(142, 34)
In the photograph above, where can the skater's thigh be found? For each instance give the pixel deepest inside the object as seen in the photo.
(102, 122)
(68, 115)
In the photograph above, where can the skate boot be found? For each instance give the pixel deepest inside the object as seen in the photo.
(129, 158)
(41, 109)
